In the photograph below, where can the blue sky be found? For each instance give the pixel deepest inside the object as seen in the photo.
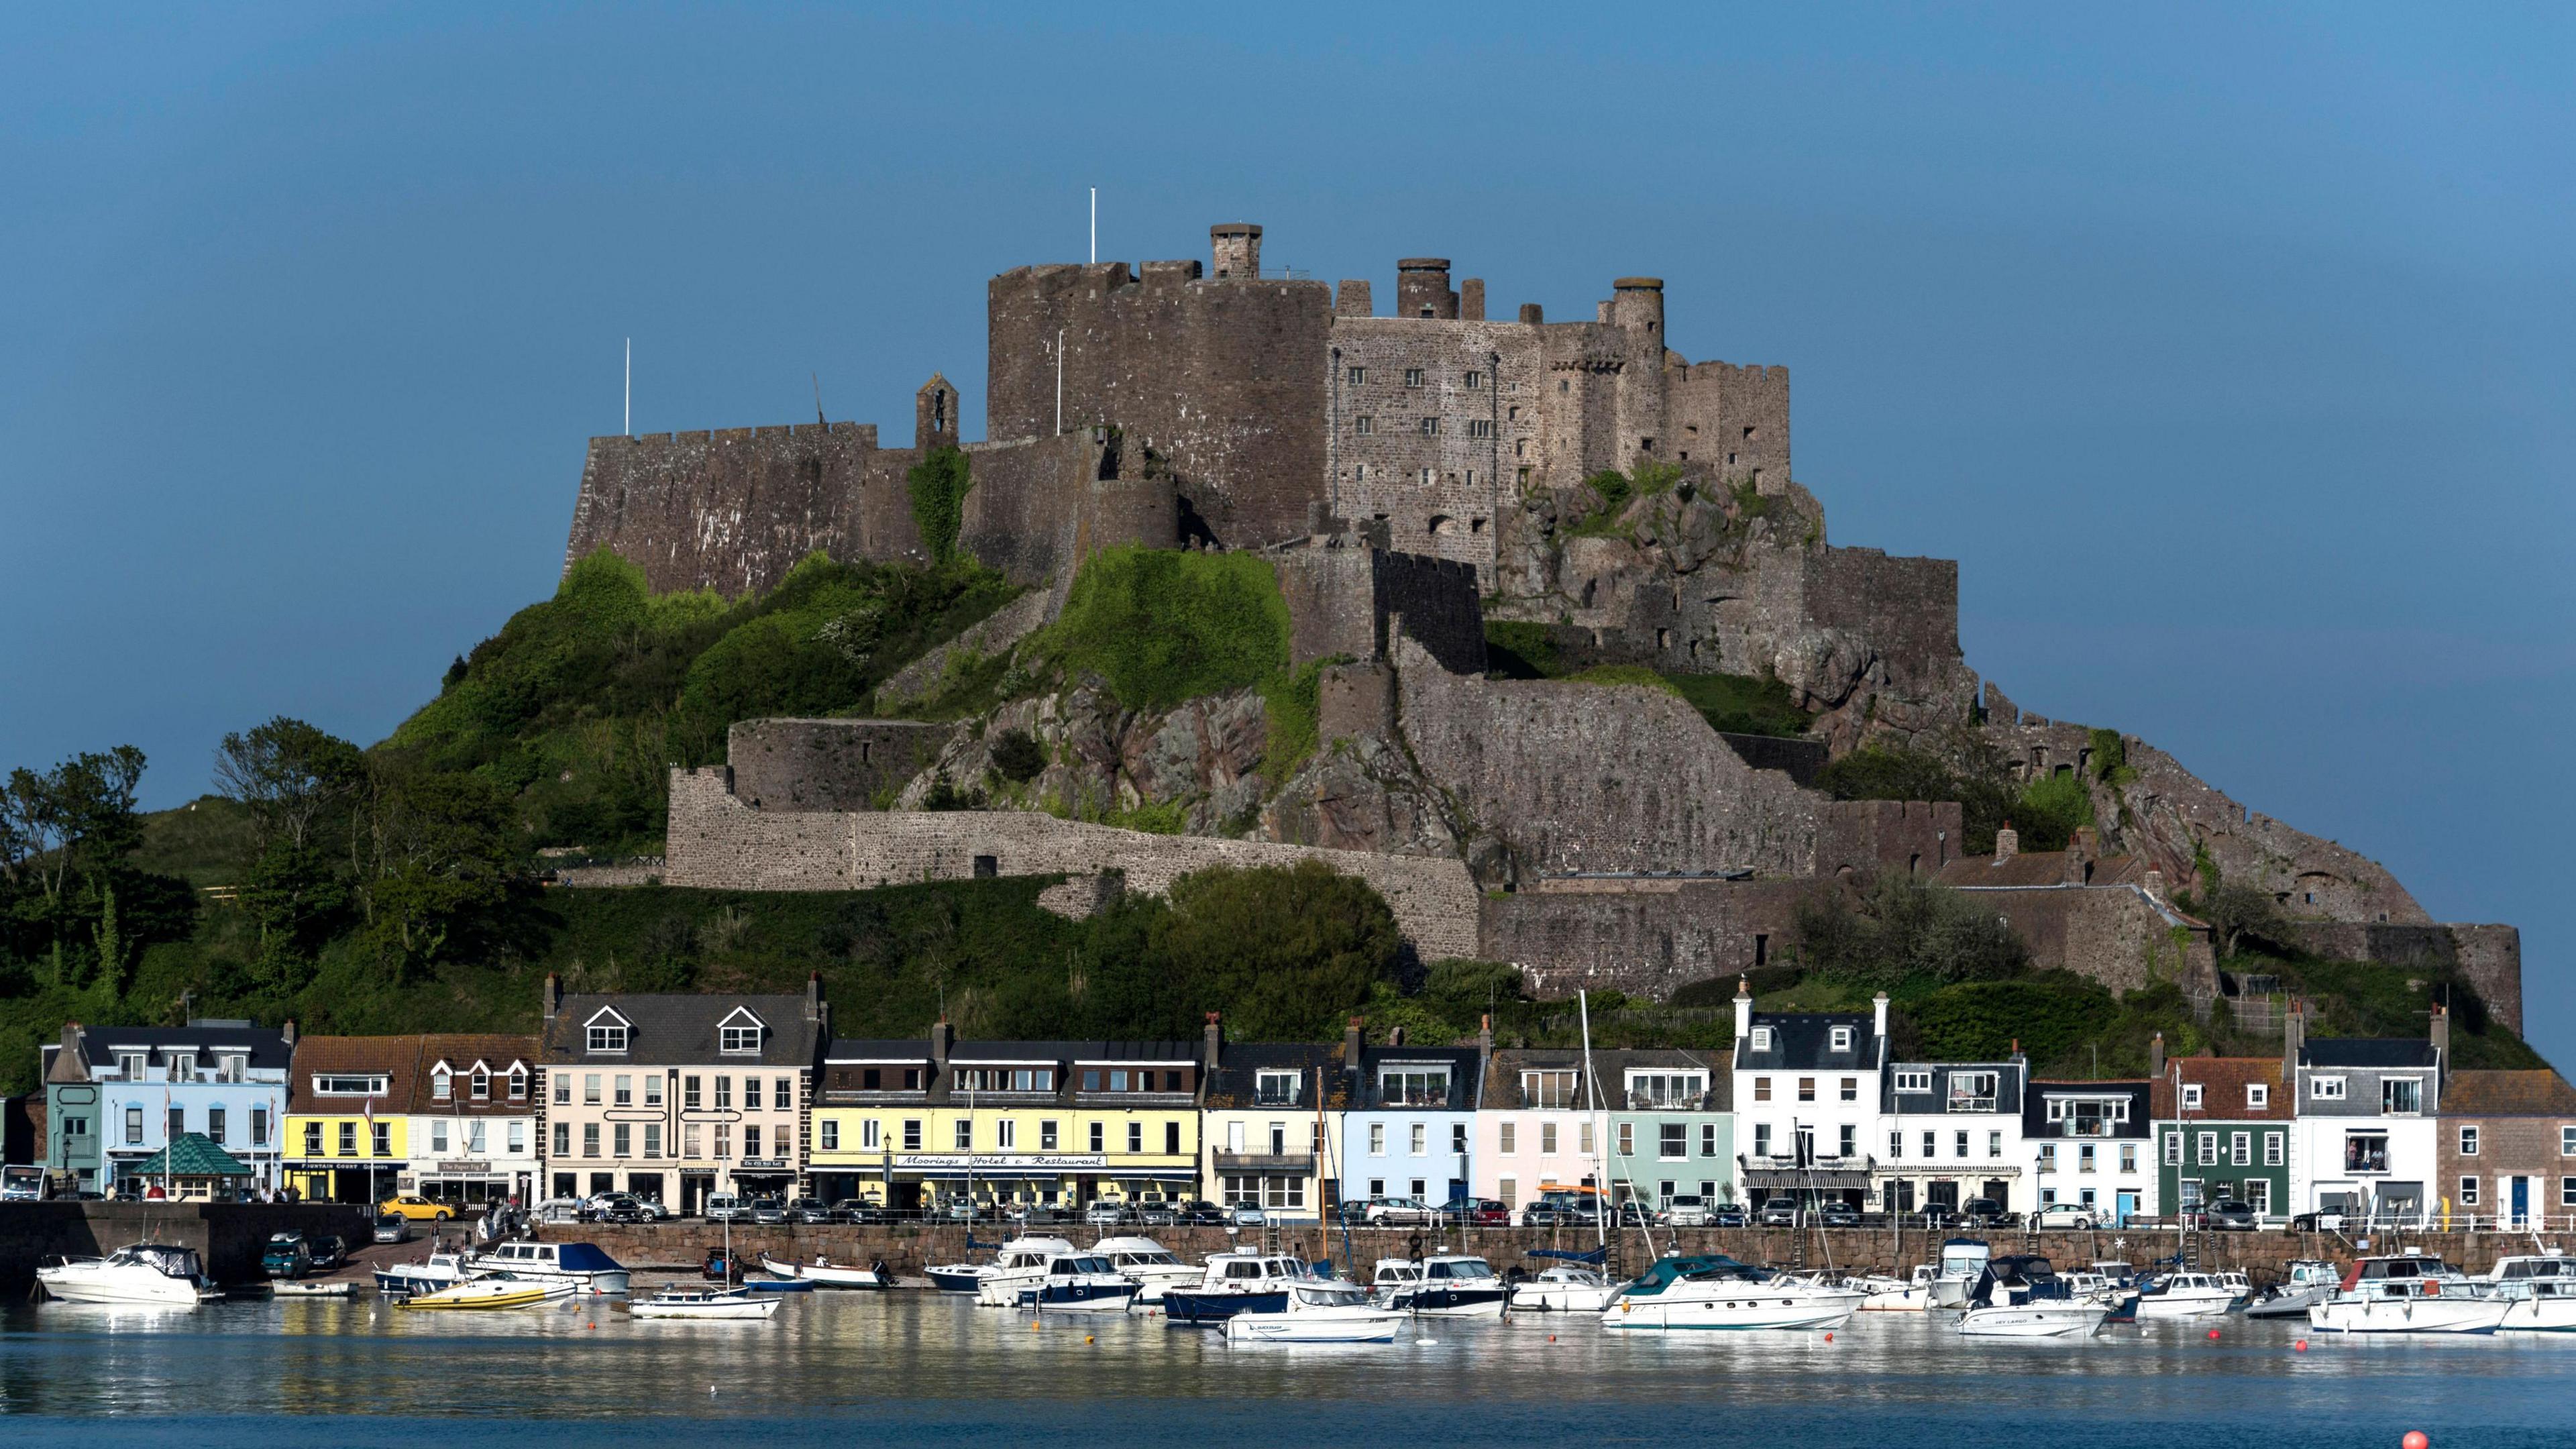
(2229, 352)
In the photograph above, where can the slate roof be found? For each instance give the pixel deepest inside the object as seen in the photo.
(2367, 1051)
(266, 1047)
(2223, 1081)
(2010, 1077)
(1802, 1040)
(193, 1155)
(878, 1049)
(1466, 1071)
(1239, 1064)
(675, 1029)
(2540, 1093)
(1611, 1065)
(1074, 1051)
(2034, 1113)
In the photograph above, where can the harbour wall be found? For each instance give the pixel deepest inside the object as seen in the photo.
(228, 1236)
(2265, 1256)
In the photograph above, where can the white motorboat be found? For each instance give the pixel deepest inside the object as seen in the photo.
(1016, 1265)
(2116, 1294)
(2310, 1283)
(583, 1265)
(2022, 1297)
(1452, 1285)
(2539, 1291)
(1962, 1261)
(1716, 1292)
(2235, 1281)
(1152, 1265)
(1320, 1310)
(138, 1273)
(1564, 1288)
(1235, 1283)
(2185, 1295)
(495, 1290)
(1077, 1282)
(1893, 1295)
(679, 1301)
(2407, 1293)
(438, 1270)
(824, 1273)
(314, 1288)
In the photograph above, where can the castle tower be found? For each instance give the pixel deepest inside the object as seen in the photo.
(1422, 289)
(1638, 303)
(934, 414)
(1237, 245)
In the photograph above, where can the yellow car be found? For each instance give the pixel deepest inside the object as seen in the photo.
(418, 1209)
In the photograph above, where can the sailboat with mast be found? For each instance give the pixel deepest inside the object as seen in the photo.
(692, 1301)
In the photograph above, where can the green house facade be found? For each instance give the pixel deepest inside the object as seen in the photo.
(2223, 1129)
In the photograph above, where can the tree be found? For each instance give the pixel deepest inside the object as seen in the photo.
(438, 859)
(289, 775)
(65, 835)
(2236, 911)
(1902, 929)
(1285, 952)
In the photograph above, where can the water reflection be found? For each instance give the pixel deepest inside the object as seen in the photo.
(847, 1363)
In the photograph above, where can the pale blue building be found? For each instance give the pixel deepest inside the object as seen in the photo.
(115, 1095)
(1410, 1129)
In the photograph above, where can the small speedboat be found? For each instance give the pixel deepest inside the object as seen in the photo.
(439, 1270)
(1079, 1283)
(776, 1285)
(824, 1273)
(492, 1291)
(314, 1288)
(1451, 1285)
(138, 1273)
(1017, 1264)
(1717, 1292)
(1235, 1283)
(2310, 1283)
(1892, 1295)
(680, 1301)
(2408, 1293)
(1320, 1310)
(1962, 1260)
(2022, 1297)
(2117, 1294)
(2539, 1291)
(1564, 1288)
(1154, 1267)
(2185, 1295)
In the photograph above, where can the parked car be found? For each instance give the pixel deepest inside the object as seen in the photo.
(1476, 1212)
(286, 1256)
(1561, 1209)
(393, 1228)
(2317, 1222)
(1158, 1213)
(768, 1212)
(557, 1210)
(1984, 1212)
(808, 1210)
(417, 1208)
(1245, 1215)
(1389, 1211)
(1686, 1210)
(1776, 1212)
(1106, 1213)
(1837, 1214)
(1634, 1214)
(725, 1207)
(859, 1210)
(2063, 1215)
(1202, 1214)
(1728, 1215)
(2231, 1215)
(327, 1250)
(618, 1207)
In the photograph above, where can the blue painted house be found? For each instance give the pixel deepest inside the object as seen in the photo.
(115, 1095)
(1410, 1128)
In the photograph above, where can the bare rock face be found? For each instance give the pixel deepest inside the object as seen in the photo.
(1101, 758)
(1361, 794)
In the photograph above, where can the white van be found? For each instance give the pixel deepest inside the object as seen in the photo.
(725, 1207)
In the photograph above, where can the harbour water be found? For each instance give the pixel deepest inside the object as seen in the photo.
(915, 1369)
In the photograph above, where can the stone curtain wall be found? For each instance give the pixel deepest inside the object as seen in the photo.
(1223, 378)
(1341, 600)
(1915, 837)
(1579, 777)
(719, 842)
(2116, 935)
(2489, 956)
(733, 510)
(1733, 420)
(829, 764)
(1646, 938)
(1041, 505)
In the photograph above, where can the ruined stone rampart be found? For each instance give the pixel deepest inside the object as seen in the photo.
(2488, 957)
(829, 764)
(1644, 937)
(719, 842)
(1343, 601)
(2117, 935)
(1912, 837)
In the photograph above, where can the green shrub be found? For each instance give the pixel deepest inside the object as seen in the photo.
(1903, 929)
(938, 484)
(1516, 649)
(1017, 756)
(1162, 626)
(2050, 811)
(1290, 707)
(1743, 704)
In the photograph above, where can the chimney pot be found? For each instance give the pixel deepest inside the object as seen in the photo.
(2156, 1056)
(2007, 843)
(1743, 1008)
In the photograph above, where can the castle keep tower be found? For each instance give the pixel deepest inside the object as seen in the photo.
(1237, 245)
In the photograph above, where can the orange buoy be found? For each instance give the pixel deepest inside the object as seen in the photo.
(2415, 1439)
(2301, 1345)
(1086, 1338)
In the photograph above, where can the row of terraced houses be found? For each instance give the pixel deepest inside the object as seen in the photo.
(677, 1097)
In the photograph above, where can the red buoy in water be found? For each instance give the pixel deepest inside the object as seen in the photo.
(2213, 1333)
(2415, 1440)
(2301, 1345)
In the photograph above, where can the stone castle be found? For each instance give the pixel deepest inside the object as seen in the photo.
(1416, 476)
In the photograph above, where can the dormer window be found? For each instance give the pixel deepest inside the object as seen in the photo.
(1914, 1080)
(2258, 1096)
(2191, 1096)
(129, 1065)
(607, 1031)
(1842, 1038)
(739, 1035)
(183, 1066)
(1275, 1089)
(441, 1083)
(232, 1067)
(518, 1082)
(482, 1083)
(1762, 1038)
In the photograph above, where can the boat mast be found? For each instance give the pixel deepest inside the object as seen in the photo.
(1601, 1127)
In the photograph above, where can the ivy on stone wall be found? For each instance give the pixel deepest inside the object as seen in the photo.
(939, 483)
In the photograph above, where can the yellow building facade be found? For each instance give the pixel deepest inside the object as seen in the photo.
(347, 1137)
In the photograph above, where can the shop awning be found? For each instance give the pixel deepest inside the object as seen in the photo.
(1793, 1180)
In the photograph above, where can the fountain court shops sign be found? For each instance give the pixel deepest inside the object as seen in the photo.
(1003, 1162)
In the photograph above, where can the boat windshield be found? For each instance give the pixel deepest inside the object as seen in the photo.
(1082, 1265)
(1332, 1295)
(1154, 1259)
(169, 1261)
(1459, 1268)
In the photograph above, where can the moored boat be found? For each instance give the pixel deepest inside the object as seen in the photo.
(494, 1290)
(1017, 1264)
(2407, 1293)
(689, 1301)
(1897, 1295)
(2311, 1282)
(2538, 1290)
(1154, 1267)
(583, 1265)
(1235, 1283)
(1717, 1292)
(2185, 1294)
(1962, 1261)
(1079, 1283)
(1451, 1285)
(438, 1270)
(137, 1273)
(824, 1273)
(1319, 1310)
(2021, 1296)
(1570, 1287)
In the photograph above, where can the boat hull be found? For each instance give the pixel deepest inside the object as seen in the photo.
(2293, 1303)
(734, 1310)
(1079, 1297)
(454, 1300)
(73, 1285)
(1181, 1305)
(1563, 1298)
(963, 1280)
(2050, 1320)
(1363, 1325)
(2409, 1315)
(824, 1275)
(2154, 1306)
(1909, 1299)
(2539, 1315)
(1752, 1308)
(1451, 1302)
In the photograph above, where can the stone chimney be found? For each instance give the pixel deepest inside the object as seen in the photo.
(1743, 1008)
(1237, 249)
(2155, 882)
(286, 1032)
(1533, 314)
(943, 1040)
(2294, 1037)
(1352, 299)
(1352, 1041)
(814, 997)
(1214, 1040)
(1395, 1037)
(2441, 1031)
(2156, 1056)
(1485, 1035)
(552, 997)
(2007, 843)
(1878, 1011)
(2082, 845)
